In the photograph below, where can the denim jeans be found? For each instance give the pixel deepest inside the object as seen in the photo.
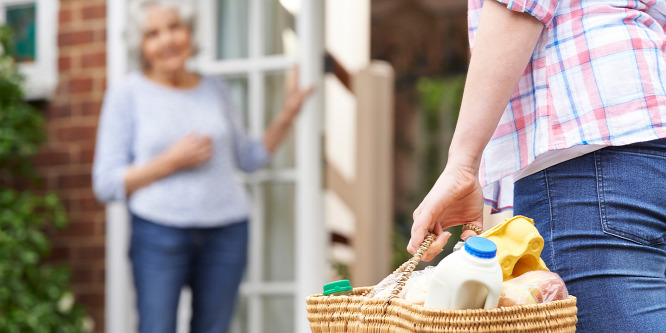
(164, 259)
(603, 220)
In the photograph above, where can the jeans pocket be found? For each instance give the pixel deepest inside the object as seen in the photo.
(630, 185)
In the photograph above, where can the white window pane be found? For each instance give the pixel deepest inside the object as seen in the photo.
(284, 157)
(279, 23)
(232, 29)
(278, 314)
(279, 241)
(239, 320)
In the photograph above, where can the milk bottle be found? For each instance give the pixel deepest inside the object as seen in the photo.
(467, 279)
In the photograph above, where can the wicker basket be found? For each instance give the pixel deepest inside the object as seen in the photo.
(356, 313)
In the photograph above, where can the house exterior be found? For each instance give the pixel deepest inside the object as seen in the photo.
(330, 193)
(252, 44)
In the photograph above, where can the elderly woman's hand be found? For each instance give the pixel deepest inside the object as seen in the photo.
(295, 96)
(455, 199)
(293, 101)
(189, 152)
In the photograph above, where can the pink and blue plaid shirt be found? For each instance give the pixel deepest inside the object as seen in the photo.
(597, 77)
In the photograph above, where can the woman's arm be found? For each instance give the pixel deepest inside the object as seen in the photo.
(189, 152)
(279, 127)
(503, 47)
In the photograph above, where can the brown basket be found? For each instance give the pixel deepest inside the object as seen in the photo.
(356, 313)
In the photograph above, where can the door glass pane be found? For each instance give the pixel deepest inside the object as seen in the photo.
(279, 248)
(232, 27)
(239, 320)
(278, 314)
(21, 19)
(238, 87)
(284, 157)
(279, 25)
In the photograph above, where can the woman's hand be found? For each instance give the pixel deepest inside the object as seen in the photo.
(189, 152)
(295, 96)
(504, 45)
(293, 101)
(455, 199)
(186, 153)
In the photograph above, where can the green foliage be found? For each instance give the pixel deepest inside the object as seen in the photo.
(34, 297)
(439, 104)
(21, 126)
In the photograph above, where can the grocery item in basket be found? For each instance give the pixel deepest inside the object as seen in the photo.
(467, 279)
(533, 288)
(415, 288)
(337, 288)
(519, 246)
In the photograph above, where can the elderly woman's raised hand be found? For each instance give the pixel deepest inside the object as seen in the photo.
(295, 96)
(190, 151)
(293, 101)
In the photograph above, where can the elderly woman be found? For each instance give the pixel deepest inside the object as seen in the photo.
(169, 143)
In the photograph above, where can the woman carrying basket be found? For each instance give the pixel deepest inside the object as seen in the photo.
(563, 119)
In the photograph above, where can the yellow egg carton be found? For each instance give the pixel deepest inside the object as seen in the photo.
(519, 246)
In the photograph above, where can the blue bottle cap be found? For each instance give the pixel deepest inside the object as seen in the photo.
(481, 247)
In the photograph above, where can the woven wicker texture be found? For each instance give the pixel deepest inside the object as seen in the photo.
(356, 313)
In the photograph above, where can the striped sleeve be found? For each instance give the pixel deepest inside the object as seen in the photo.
(543, 10)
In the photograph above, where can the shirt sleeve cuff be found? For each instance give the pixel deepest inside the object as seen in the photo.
(262, 155)
(119, 178)
(543, 10)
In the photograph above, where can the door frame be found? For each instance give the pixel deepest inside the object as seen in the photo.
(311, 262)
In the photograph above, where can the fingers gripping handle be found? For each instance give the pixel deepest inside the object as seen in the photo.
(407, 268)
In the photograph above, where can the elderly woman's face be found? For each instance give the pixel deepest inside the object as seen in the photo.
(167, 40)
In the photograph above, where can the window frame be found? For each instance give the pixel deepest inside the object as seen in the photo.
(41, 76)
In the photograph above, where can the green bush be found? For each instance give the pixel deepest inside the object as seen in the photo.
(34, 297)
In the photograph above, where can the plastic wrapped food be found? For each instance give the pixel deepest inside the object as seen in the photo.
(533, 288)
(414, 290)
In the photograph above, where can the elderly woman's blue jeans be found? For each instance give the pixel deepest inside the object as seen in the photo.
(603, 220)
(164, 259)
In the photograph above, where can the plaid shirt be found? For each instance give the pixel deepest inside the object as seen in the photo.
(597, 76)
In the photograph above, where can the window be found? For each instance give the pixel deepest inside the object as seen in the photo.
(34, 23)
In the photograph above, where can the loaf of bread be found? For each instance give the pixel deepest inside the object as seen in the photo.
(533, 288)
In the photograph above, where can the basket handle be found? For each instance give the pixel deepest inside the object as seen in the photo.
(408, 267)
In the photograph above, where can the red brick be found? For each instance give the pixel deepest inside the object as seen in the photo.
(86, 152)
(85, 275)
(60, 111)
(90, 204)
(74, 181)
(59, 253)
(78, 229)
(97, 59)
(80, 85)
(75, 38)
(51, 157)
(92, 299)
(91, 108)
(75, 133)
(64, 63)
(64, 16)
(91, 252)
(93, 12)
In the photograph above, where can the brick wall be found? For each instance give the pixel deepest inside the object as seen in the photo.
(65, 161)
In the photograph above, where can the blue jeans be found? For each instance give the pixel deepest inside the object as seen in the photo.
(164, 259)
(603, 219)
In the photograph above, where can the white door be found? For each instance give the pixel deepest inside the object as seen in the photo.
(253, 44)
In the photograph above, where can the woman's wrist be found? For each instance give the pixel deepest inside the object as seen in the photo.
(166, 164)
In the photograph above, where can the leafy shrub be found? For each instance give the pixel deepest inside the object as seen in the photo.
(34, 297)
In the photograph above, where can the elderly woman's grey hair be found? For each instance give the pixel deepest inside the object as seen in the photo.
(136, 24)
